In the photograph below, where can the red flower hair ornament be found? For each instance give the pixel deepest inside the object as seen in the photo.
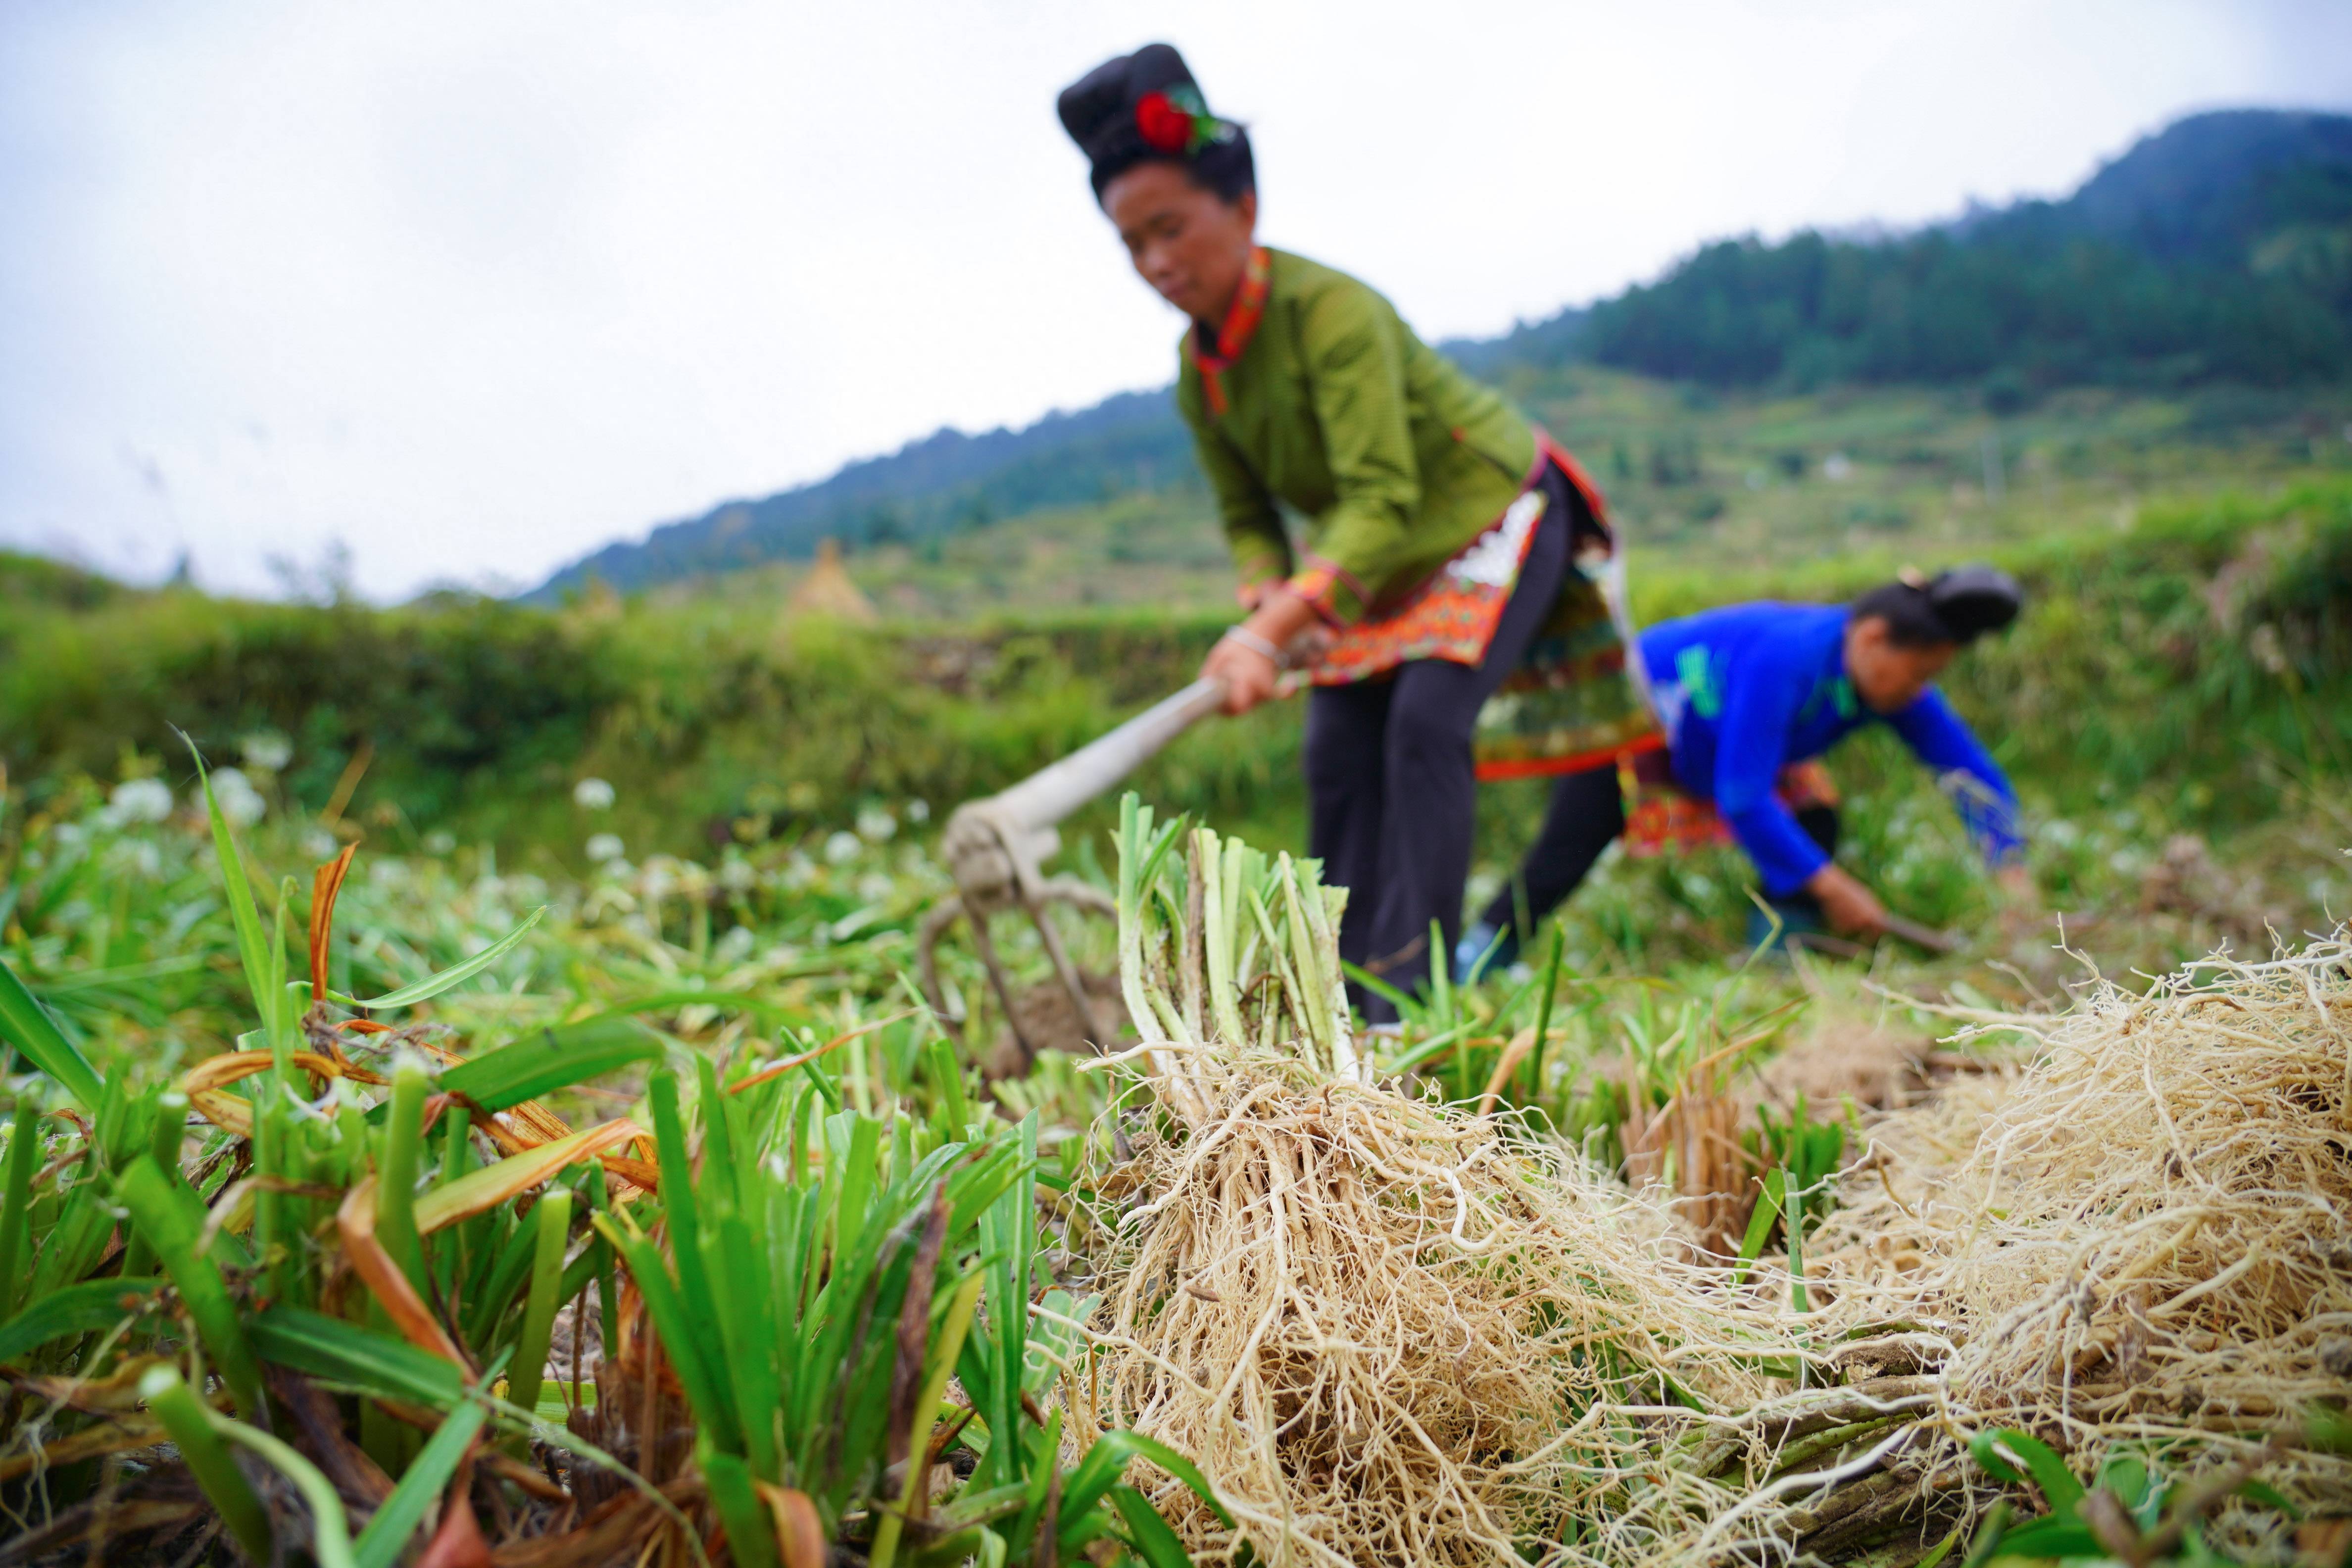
(1177, 122)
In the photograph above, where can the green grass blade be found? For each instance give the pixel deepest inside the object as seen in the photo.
(389, 1531)
(679, 1337)
(1534, 1081)
(27, 1025)
(750, 1534)
(1759, 1225)
(1107, 1459)
(683, 1213)
(553, 1060)
(433, 985)
(263, 972)
(553, 1220)
(92, 1305)
(330, 1532)
(746, 1327)
(173, 1220)
(16, 1196)
(339, 1352)
(395, 1186)
(190, 1424)
(1154, 1541)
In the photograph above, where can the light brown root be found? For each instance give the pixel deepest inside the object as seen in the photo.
(2145, 1238)
(1388, 1333)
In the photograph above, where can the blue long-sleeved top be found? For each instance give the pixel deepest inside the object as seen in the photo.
(1747, 690)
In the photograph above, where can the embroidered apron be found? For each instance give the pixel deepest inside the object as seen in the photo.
(1576, 699)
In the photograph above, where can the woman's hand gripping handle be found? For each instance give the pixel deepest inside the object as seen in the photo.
(1248, 660)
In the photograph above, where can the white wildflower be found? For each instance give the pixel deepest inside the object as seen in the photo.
(876, 825)
(140, 800)
(240, 803)
(659, 878)
(604, 846)
(876, 886)
(593, 794)
(919, 811)
(267, 750)
(137, 858)
(738, 875)
(440, 841)
(842, 849)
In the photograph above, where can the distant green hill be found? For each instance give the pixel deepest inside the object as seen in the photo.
(2217, 251)
(2220, 249)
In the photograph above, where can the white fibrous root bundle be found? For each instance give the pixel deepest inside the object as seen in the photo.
(2144, 1238)
(1388, 1331)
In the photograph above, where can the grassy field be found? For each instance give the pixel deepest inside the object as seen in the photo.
(1758, 483)
(2183, 672)
(589, 1114)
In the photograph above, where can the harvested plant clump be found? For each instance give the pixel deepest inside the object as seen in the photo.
(2154, 1221)
(2144, 1240)
(1388, 1331)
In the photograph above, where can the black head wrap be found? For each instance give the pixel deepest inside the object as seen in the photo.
(1144, 107)
(1974, 600)
(1955, 606)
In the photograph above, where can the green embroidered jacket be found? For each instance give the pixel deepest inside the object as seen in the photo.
(1335, 409)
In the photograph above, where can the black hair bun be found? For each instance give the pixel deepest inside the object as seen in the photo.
(1142, 106)
(1973, 600)
(1099, 108)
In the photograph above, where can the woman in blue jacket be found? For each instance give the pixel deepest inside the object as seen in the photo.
(1747, 692)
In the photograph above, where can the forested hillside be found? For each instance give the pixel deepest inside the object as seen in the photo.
(2218, 249)
(2216, 252)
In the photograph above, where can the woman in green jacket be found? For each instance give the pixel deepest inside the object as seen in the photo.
(1439, 525)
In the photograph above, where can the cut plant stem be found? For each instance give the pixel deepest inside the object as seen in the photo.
(16, 1196)
(552, 1217)
(395, 1187)
(184, 1416)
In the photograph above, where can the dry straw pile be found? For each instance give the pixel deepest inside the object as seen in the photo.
(2144, 1237)
(1388, 1331)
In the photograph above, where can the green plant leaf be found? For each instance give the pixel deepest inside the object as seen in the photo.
(387, 1534)
(552, 1060)
(263, 971)
(344, 1352)
(1107, 1459)
(330, 1537)
(1155, 1542)
(2051, 1536)
(173, 1220)
(1376, 985)
(26, 1026)
(2270, 1496)
(1759, 1223)
(93, 1305)
(194, 1432)
(2059, 1488)
(433, 985)
(750, 1534)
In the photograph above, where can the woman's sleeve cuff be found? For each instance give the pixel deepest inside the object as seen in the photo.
(1330, 590)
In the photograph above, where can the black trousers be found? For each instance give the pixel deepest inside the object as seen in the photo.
(1391, 790)
(1587, 811)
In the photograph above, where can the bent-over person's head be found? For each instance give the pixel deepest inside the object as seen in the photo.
(1177, 181)
(1899, 637)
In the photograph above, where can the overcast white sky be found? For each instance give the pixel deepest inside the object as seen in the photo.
(476, 287)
